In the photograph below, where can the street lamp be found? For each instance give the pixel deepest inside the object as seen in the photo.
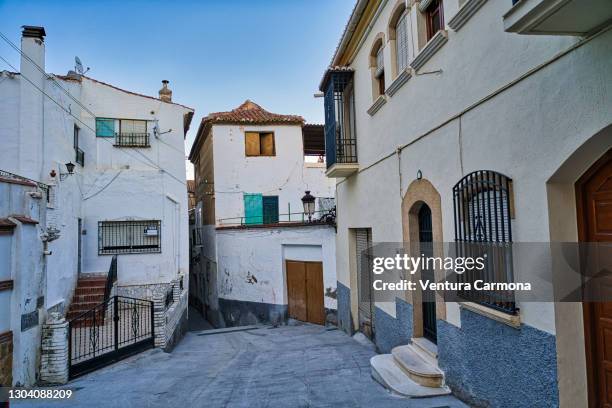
(70, 168)
(309, 205)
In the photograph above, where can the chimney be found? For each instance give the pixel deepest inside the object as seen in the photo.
(31, 102)
(165, 94)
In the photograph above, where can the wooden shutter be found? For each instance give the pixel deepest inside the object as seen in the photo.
(253, 208)
(267, 144)
(270, 209)
(251, 141)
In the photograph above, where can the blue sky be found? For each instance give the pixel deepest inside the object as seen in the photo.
(215, 54)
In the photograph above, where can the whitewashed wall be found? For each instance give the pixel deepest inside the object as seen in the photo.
(526, 132)
(260, 253)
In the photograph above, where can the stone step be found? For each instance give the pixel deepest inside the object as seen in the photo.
(89, 291)
(96, 297)
(426, 349)
(418, 369)
(387, 372)
(91, 284)
(82, 306)
(74, 314)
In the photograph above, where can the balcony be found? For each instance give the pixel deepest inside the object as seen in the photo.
(132, 140)
(79, 156)
(340, 136)
(561, 17)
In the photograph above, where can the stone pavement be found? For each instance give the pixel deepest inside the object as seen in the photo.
(288, 366)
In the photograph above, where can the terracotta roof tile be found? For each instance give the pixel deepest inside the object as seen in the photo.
(249, 113)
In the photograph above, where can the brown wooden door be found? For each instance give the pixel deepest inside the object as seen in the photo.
(305, 291)
(594, 203)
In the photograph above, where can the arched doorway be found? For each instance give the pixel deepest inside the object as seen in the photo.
(428, 297)
(594, 211)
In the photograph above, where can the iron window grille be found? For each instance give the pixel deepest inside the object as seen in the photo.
(482, 212)
(340, 137)
(132, 140)
(129, 237)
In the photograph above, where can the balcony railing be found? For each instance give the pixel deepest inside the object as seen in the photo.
(132, 139)
(319, 217)
(340, 140)
(79, 156)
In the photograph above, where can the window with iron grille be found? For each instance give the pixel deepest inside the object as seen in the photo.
(401, 42)
(340, 130)
(129, 237)
(482, 207)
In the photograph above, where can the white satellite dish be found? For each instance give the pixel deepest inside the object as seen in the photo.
(78, 66)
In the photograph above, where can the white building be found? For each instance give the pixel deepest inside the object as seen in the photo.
(421, 98)
(251, 173)
(126, 195)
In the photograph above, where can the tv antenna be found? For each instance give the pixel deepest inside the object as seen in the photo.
(78, 66)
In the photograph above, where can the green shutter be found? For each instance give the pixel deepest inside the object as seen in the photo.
(253, 208)
(105, 127)
(270, 210)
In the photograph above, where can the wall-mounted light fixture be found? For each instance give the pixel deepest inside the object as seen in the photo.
(419, 174)
(70, 168)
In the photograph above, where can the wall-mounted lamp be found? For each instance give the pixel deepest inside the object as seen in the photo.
(419, 174)
(70, 168)
(309, 205)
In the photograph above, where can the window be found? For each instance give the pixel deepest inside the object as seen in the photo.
(259, 144)
(79, 154)
(380, 71)
(129, 237)
(401, 42)
(105, 127)
(260, 209)
(483, 208)
(132, 133)
(435, 18)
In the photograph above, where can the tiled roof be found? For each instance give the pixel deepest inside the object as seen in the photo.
(249, 113)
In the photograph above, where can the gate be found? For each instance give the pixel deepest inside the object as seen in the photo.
(114, 329)
(428, 295)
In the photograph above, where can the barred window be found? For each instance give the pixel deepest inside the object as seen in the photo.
(401, 42)
(129, 237)
(483, 227)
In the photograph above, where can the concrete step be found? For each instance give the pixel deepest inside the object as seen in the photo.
(426, 349)
(418, 369)
(387, 372)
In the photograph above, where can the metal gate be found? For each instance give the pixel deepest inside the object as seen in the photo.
(115, 329)
(428, 295)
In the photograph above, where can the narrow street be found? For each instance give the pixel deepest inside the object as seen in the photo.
(288, 366)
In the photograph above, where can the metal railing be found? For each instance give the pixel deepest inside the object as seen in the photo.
(79, 156)
(132, 140)
(319, 217)
(129, 237)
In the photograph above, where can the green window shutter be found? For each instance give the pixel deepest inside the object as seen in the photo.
(270, 209)
(105, 127)
(253, 208)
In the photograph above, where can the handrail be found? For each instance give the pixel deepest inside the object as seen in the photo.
(319, 216)
(111, 278)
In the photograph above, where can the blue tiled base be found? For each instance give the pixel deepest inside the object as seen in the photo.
(393, 331)
(490, 364)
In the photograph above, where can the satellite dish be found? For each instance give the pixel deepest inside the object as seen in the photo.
(78, 66)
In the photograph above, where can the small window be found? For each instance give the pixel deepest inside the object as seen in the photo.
(129, 237)
(132, 133)
(380, 71)
(401, 42)
(259, 144)
(75, 139)
(105, 127)
(79, 154)
(435, 18)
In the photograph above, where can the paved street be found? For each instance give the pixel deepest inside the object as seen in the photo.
(289, 366)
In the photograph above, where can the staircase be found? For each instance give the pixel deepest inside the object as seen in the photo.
(410, 370)
(89, 293)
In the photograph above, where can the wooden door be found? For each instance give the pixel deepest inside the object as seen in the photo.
(594, 204)
(305, 291)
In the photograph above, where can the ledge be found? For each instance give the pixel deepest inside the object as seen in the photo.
(341, 170)
(465, 13)
(378, 103)
(401, 79)
(436, 42)
(510, 320)
(6, 285)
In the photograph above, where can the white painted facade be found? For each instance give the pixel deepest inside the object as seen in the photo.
(524, 106)
(114, 184)
(248, 263)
